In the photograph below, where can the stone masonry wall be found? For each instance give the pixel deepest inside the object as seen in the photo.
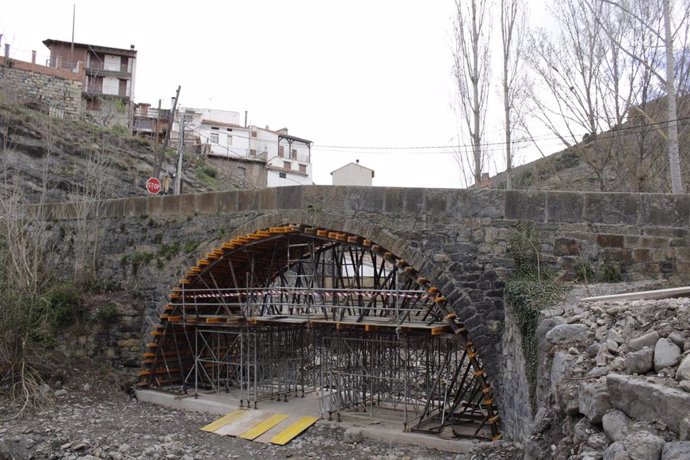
(57, 90)
(456, 238)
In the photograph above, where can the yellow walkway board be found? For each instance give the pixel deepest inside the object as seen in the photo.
(237, 427)
(224, 420)
(293, 430)
(263, 427)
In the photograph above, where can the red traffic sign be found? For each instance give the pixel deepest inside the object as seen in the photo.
(153, 185)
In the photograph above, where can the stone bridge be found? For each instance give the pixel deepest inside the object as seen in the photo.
(457, 239)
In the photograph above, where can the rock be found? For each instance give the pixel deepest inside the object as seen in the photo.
(593, 400)
(683, 372)
(567, 333)
(560, 367)
(676, 338)
(582, 430)
(643, 445)
(648, 401)
(612, 345)
(685, 385)
(615, 336)
(640, 362)
(676, 451)
(666, 354)
(616, 424)
(353, 435)
(532, 450)
(684, 429)
(598, 442)
(60, 392)
(616, 451)
(647, 340)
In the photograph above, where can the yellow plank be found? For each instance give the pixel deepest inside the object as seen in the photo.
(263, 427)
(224, 420)
(289, 433)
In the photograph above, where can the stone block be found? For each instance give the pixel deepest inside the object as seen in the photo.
(436, 201)
(267, 198)
(640, 362)
(525, 205)
(616, 424)
(647, 340)
(683, 372)
(611, 208)
(289, 197)
(564, 206)
(643, 445)
(227, 201)
(665, 210)
(206, 203)
(171, 205)
(616, 451)
(666, 354)
(648, 401)
(676, 451)
(565, 247)
(593, 400)
(610, 241)
(567, 333)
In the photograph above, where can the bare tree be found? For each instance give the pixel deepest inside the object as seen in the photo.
(471, 71)
(512, 89)
(666, 38)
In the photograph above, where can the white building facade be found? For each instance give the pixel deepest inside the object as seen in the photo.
(353, 174)
(220, 134)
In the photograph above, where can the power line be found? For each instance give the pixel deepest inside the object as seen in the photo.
(443, 149)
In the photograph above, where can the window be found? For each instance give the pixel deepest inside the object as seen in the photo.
(241, 174)
(229, 139)
(253, 133)
(303, 169)
(281, 151)
(293, 154)
(213, 138)
(252, 152)
(282, 175)
(287, 165)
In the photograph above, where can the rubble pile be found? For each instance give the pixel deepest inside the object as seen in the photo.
(615, 381)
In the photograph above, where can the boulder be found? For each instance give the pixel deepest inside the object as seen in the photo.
(666, 354)
(544, 327)
(616, 451)
(640, 362)
(593, 400)
(683, 372)
(567, 333)
(643, 445)
(676, 451)
(616, 424)
(648, 401)
(676, 338)
(560, 368)
(684, 429)
(647, 340)
(616, 336)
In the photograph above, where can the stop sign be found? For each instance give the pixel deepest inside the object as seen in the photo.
(153, 185)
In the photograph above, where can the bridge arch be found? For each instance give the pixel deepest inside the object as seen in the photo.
(323, 295)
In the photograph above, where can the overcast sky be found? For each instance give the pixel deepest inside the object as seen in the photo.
(359, 73)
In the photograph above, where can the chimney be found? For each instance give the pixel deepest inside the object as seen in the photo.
(33, 56)
(7, 50)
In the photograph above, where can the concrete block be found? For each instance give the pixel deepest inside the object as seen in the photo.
(611, 208)
(289, 197)
(525, 205)
(227, 201)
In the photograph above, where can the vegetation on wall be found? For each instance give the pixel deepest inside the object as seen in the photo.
(531, 288)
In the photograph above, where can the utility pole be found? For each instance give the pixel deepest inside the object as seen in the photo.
(180, 150)
(159, 162)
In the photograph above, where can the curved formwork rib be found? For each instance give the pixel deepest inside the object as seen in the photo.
(291, 309)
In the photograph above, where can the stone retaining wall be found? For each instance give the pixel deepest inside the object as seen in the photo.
(57, 90)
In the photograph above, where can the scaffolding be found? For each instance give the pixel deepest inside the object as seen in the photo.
(294, 309)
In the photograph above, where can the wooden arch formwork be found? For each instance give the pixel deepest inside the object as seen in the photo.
(293, 309)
